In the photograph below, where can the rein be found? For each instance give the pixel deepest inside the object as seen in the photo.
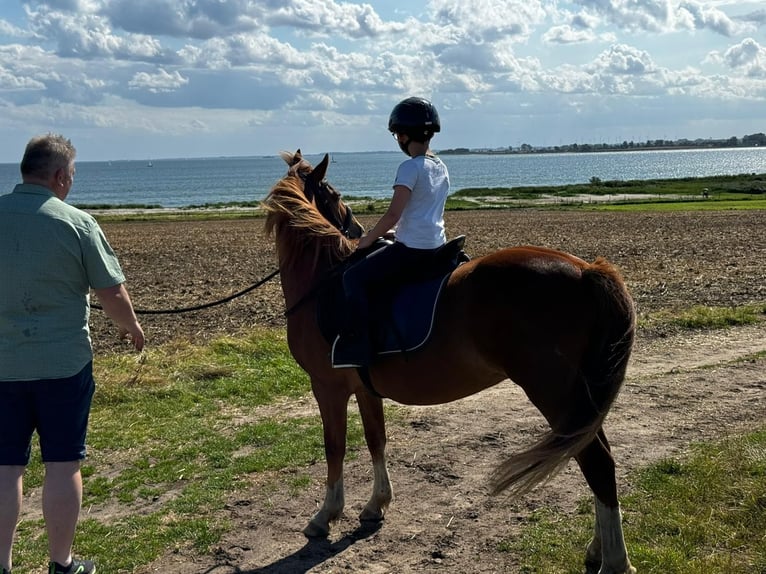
(204, 305)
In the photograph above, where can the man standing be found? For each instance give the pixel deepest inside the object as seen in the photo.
(51, 256)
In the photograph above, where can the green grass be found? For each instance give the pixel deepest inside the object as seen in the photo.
(717, 186)
(745, 191)
(726, 204)
(174, 433)
(181, 215)
(705, 512)
(704, 317)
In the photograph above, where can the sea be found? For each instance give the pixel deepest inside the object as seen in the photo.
(189, 182)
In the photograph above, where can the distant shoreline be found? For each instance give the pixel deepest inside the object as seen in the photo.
(590, 148)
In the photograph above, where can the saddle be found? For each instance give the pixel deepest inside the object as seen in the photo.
(401, 319)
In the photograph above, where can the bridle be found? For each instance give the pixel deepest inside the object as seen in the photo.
(321, 192)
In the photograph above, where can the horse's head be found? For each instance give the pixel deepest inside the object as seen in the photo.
(323, 195)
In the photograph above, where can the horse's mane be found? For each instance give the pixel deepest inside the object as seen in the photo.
(297, 223)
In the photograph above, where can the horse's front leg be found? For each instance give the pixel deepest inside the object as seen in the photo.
(371, 409)
(333, 404)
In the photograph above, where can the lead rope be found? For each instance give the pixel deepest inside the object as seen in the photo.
(204, 305)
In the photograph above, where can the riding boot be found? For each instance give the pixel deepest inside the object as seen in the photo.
(351, 349)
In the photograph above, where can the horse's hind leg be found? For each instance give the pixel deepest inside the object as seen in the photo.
(333, 406)
(606, 553)
(371, 409)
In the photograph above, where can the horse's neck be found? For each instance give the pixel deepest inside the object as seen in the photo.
(301, 274)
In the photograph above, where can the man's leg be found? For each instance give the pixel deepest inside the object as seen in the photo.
(64, 408)
(62, 498)
(10, 509)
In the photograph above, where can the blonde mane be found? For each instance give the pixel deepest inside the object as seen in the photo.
(297, 224)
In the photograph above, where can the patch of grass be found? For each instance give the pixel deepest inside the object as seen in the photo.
(724, 204)
(744, 191)
(457, 204)
(703, 513)
(172, 435)
(717, 510)
(181, 215)
(702, 317)
(109, 206)
(741, 185)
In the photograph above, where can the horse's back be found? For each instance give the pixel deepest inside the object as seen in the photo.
(532, 257)
(530, 269)
(515, 275)
(533, 299)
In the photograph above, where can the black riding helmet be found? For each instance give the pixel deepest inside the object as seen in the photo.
(415, 117)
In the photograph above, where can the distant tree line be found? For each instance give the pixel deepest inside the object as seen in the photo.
(752, 140)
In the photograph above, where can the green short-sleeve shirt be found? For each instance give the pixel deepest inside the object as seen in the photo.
(51, 255)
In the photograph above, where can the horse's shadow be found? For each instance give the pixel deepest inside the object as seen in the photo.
(313, 553)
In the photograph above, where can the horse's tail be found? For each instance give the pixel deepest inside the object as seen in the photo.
(601, 375)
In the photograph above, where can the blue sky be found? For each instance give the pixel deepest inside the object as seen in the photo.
(134, 79)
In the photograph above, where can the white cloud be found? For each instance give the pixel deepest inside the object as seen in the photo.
(11, 81)
(9, 30)
(749, 56)
(328, 63)
(198, 19)
(89, 36)
(566, 34)
(623, 60)
(487, 20)
(705, 16)
(160, 81)
(663, 15)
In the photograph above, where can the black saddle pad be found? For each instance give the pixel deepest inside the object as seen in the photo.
(409, 322)
(401, 320)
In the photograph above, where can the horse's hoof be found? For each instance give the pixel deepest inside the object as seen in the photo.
(314, 530)
(629, 570)
(368, 515)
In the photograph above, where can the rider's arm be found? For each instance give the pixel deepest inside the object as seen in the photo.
(389, 218)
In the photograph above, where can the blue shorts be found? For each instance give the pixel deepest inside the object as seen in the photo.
(57, 409)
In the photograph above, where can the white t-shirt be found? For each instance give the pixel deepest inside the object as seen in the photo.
(421, 225)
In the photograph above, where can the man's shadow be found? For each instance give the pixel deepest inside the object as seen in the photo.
(313, 553)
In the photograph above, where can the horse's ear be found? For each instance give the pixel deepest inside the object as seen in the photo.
(320, 171)
(291, 159)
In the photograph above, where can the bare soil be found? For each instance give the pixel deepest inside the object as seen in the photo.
(682, 386)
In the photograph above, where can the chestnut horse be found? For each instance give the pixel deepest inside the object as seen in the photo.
(559, 327)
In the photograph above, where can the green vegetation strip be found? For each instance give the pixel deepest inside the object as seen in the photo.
(172, 435)
(726, 192)
(705, 317)
(705, 512)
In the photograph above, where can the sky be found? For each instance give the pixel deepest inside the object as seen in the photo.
(137, 79)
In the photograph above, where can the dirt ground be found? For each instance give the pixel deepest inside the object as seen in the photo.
(681, 387)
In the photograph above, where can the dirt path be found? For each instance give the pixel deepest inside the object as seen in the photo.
(679, 390)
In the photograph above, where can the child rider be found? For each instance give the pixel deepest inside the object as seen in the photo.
(416, 214)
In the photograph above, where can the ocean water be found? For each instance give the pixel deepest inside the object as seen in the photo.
(200, 181)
